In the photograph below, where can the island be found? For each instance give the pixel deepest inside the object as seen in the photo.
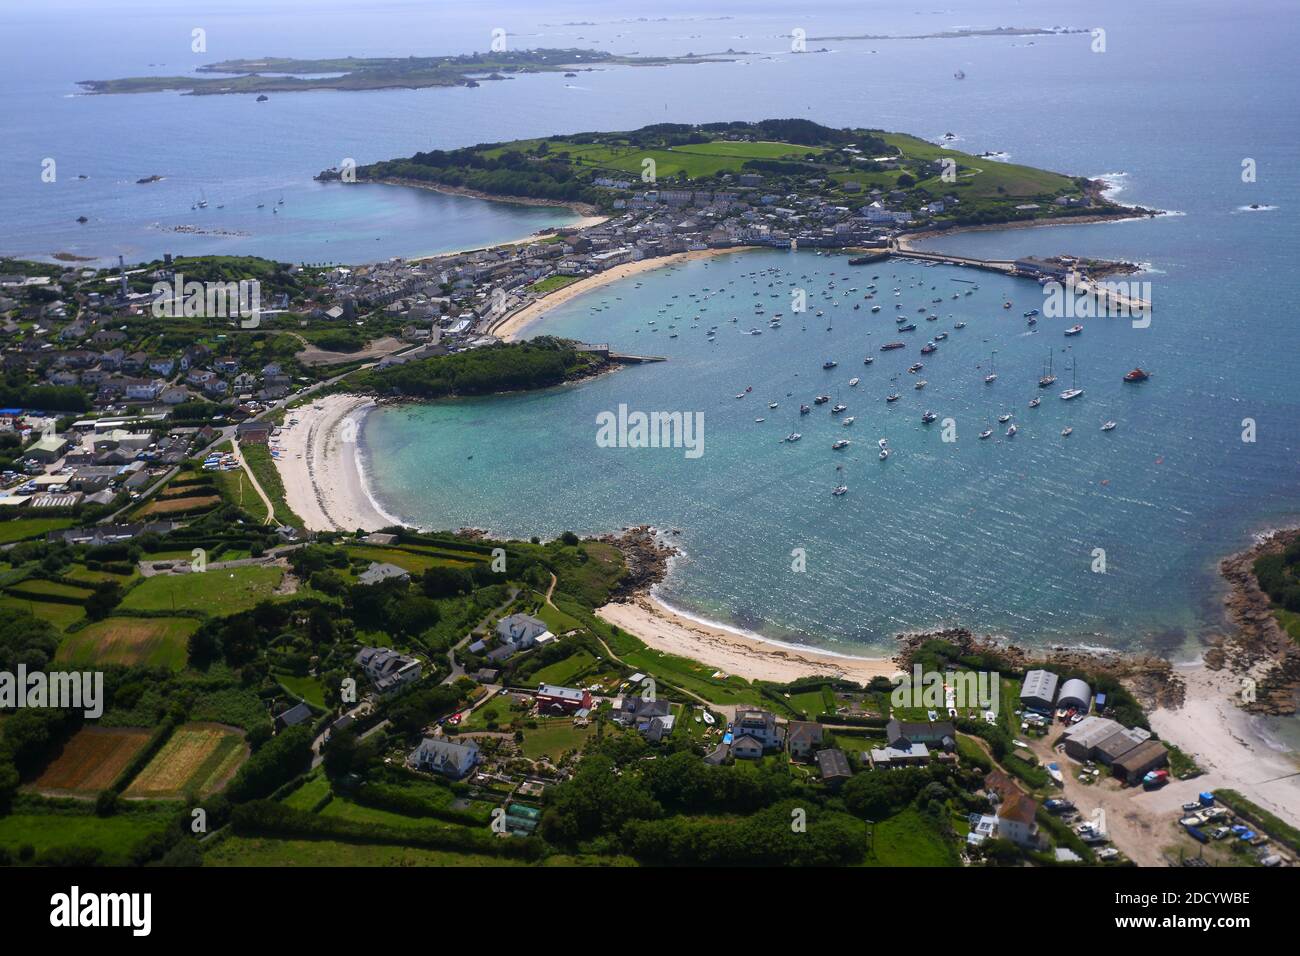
(290, 75)
(798, 172)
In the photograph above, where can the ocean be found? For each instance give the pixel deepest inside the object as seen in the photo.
(996, 535)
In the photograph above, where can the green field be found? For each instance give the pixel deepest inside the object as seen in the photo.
(415, 563)
(263, 851)
(309, 794)
(908, 839)
(40, 588)
(236, 489)
(114, 836)
(222, 592)
(22, 528)
(553, 738)
(262, 465)
(61, 616)
(304, 688)
(147, 641)
(551, 283)
(563, 672)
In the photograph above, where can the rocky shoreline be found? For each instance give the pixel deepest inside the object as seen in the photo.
(1258, 649)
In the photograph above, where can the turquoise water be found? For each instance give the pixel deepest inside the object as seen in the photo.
(997, 535)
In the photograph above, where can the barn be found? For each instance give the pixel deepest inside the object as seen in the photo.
(1038, 692)
(1075, 693)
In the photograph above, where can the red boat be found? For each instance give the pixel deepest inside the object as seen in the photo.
(1137, 375)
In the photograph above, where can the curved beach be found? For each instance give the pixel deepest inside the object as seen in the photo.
(320, 468)
(752, 658)
(512, 327)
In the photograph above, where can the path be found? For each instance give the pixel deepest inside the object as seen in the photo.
(252, 480)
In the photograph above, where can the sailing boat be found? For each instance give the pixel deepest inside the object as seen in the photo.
(1047, 379)
(992, 376)
(1073, 391)
(203, 200)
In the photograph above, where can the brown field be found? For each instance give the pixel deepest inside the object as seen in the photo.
(180, 504)
(198, 758)
(151, 641)
(91, 760)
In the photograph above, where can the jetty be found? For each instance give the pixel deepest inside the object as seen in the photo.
(623, 358)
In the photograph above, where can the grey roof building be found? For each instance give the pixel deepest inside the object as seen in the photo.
(1080, 739)
(1145, 757)
(834, 766)
(901, 733)
(1039, 690)
(1075, 693)
(1117, 745)
(436, 755)
(382, 571)
(294, 716)
(387, 668)
(521, 630)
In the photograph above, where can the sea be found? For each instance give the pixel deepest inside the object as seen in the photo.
(1101, 539)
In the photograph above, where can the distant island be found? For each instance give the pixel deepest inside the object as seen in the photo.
(379, 73)
(894, 179)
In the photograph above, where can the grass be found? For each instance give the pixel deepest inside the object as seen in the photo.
(309, 794)
(692, 676)
(224, 592)
(21, 529)
(264, 851)
(236, 489)
(909, 839)
(554, 738)
(39, 588)
(61, 616)
(304, 688)
(133, 641)
(551, 283)
(262, 465)
(562, 672)
(115, 836)
(415, 563)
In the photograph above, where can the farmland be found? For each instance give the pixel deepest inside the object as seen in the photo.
(226, 591)
(58, 614)
(91, 760)
(113, 837)
(148, 641)
(262, 851)
(197, 758)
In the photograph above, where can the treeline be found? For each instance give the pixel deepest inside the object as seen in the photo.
(1277, 577)
(512, 173)
(538, 363)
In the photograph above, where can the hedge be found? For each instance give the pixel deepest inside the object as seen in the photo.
(264, 818)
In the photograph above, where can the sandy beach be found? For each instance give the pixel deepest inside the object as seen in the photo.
(511, 328)
(319, 467)
(1226, 743)
(665, 630)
